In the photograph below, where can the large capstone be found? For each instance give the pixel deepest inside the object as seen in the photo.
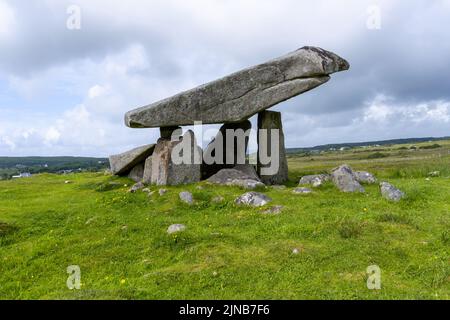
(272, 161)
(227, 149)
(243, 94)
(176, 162)
(122, 164)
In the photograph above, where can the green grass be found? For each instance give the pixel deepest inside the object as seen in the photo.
(119, 239)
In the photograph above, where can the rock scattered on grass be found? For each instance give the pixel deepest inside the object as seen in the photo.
(218, 199)
(365, 177)
(315, 180)
(176, 228)
(162, 192)
(67, 181)
(254, 199)
(434, 174)
(273, 210)
(344, 178)
(302, 190)
(389, 192)
(136, 187)
(186, 197)
(279, 187)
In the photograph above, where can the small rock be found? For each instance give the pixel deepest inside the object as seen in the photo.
(295, 251)
(345, 179)
(162, 192)
(124, 228)
(273, 210)
(176, 228)
(146, 190)
(389, 192)
(136, 187)
(434, 174)
(315, 180)
(279, 187)
(365, 177)
(67, 182)
(199, 187)
(186, 197)
(254, 199)
(218, 199)
(302, 191)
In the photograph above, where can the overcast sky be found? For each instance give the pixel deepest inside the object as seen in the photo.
(64, 91)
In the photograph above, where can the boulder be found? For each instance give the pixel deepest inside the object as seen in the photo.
(176, 162)
(176, 228)
(389, 192)
(315, 180)
(122, 164)
(254, 199)
(233, 177)
(365, 177)
(186, 197)
(239, 96)
(345, 179)
(232, 152)
(137, 173)
(277, 166)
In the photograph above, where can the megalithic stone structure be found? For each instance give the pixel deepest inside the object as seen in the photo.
(239, 96)
(231, 101)
(273, 147)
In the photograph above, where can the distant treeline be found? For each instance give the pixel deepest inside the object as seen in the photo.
(338, 146)
(10, 166)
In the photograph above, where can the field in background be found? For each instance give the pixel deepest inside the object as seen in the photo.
(119, 239)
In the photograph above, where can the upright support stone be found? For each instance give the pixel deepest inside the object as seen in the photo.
(185, 169)
(274, 171)
(232, 140)
(166, 132)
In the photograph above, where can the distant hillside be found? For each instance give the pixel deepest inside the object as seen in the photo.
(338, 146)
(10, 166)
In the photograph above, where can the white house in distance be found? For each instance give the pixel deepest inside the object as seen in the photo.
(22, 175)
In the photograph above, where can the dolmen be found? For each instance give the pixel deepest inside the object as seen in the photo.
(231, 101)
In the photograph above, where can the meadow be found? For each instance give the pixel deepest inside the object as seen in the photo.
(319, 247)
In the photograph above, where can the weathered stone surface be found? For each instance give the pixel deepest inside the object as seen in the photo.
(167, 172)
(186, 197)
(344, 178)
(270, 121)
(254, 199)
(138, 186)
(176, 228)
(389, 192)
(123, 163)
(315, 180)
(166, 132)
(302, 190)
(365, 177)
(240, 95)
(137, 173)
(147, 178)
(226, 150)
(273, 210)
(233, 177)
(249, 170)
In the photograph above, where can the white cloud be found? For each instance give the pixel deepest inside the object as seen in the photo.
(51, 136)
(7, 21)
